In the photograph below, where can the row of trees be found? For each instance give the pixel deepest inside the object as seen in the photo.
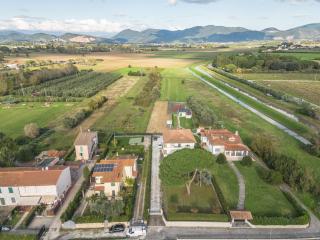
(151, 90)
(203, 114)
(293, 173)
(263, 62)
(10, 80)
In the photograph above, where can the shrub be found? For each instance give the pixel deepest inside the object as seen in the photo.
(269, 176)
(246, 161)
(31, 130)
(221, 159)
(90, 219)
(223, 202)
(174, 199)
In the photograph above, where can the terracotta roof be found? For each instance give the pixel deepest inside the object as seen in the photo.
(241, 215)
(99, 188)
(116, 174)
(15, 177)
(178, 136)
(223, 137)
(85, 138)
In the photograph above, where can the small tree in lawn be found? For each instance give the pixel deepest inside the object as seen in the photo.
(221, 158)
(31, 130)
(246, 161)
(184, 166)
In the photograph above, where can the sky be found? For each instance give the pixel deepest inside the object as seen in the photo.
(106, 17)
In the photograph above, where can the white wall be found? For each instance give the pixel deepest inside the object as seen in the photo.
(8, 196)
(64, 182)
(171, 148)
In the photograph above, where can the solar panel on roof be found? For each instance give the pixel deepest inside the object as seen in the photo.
(103, 168)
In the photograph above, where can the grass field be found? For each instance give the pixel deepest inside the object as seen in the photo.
(309, 91)
(125, 116)
(291, 124)
(263, 199)
(302, 55)
(15, 117)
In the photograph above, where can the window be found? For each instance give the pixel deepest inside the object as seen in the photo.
(13, 200)
(10, 189)
(113, 184)
(81, 149)
(2, 201)
(0, 190)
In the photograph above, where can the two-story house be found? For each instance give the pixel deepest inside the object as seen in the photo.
(223, 141)
(177, 139)
(86, 145)
(32, 186)
(112, 174)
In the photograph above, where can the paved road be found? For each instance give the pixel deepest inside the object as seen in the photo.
(155, 204)
(258, 113)
(164, 233)
(55, 226)
(242, 186)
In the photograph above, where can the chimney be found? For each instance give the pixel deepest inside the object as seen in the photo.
(237, 133)
(47, 168)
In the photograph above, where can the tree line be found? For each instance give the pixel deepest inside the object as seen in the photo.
(10, 80)
(263, 62)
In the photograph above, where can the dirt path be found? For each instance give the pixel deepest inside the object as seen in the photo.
(159, 117)
(113, 93)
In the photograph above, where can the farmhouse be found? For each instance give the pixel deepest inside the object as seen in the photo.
(177, 139)
(32, 186)
(180, 109)
(86, 145)
(111, 175)
(223, 141)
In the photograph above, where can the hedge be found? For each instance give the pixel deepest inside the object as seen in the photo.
(202, 217)
(225, 206)
(90, 219)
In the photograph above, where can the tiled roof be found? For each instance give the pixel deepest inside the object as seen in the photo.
(241, 215)
(85, 138)
(116, 174)
(223, 137)
(15, 177)
(178, 136)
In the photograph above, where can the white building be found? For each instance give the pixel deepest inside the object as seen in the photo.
(32, 186)
(223, 141)
(110, 175)
(86, 145)
(177, 139)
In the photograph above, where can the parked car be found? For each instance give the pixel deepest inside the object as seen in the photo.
(117, 228)
(4, 229)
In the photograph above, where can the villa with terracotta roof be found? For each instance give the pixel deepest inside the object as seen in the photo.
(33, 186)
(177, 139)
(110, 175)
(223, 141)
(86, 145)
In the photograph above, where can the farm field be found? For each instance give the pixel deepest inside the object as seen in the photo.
(280, 76)
(301, 55)
(111, 61)
(125, 116)
(14, 118)
(84, 84)
(159, 117)
(263, 199)
(309, 91)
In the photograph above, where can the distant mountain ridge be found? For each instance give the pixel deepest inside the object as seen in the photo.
(196, 34)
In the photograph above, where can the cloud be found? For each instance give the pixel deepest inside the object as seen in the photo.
(174, 2)
(66, 25)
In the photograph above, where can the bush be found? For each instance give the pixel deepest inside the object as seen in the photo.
(246, 161)
(90, 219)
(31, 130)
(223, 202)
(221, 159)
(269, 176)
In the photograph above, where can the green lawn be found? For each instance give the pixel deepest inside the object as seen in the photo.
(186, 123)
(263, 199)
(15, 117)
(125, 116)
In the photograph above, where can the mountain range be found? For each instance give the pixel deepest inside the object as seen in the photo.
(197, 34)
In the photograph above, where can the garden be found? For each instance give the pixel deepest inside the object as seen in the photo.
(187, 184)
